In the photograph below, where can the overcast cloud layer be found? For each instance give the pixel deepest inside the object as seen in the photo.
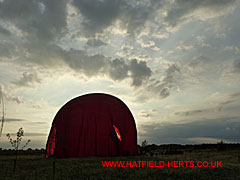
(175, 63)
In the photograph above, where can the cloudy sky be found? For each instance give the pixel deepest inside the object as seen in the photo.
(175, 63)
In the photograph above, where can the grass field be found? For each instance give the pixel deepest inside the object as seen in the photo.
(31, 167)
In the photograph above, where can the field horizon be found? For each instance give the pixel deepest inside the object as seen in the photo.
(32, 164)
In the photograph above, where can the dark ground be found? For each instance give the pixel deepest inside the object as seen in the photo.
(32, 165)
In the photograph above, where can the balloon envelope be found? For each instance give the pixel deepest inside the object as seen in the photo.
(92, 125)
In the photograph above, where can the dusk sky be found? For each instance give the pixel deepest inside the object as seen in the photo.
(175, 63)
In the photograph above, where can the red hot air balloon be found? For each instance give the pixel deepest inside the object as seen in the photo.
(92, 125)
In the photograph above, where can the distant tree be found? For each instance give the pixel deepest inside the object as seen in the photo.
(144, 143)
(221, 145)
(16, 144)
(221, 142)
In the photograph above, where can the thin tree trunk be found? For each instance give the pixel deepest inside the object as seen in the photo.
(15, 162)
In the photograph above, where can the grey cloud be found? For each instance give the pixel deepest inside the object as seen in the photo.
(142, 98)
(98, 14)
(190, 113)
(100, 65)
(199, 61)
(136, 17)
(11, 10)
(163, 88)
(131, 15)
(118, 69)
(236, 66)
(145, 115)
(14, 99)
(185, 46)
(170, 73)
(13, 120)
(20, 120)
(148, 113)
(88, 64)
(27, 79)
(181, 8)
(231, 99)
(46, 21)
(91, 65)
(139, 72)
(53, 23)
(4, 31)
(235, 49)
(7, 49)
(38, 24)
(95, 42)
(37, 106)
(166, 133)
(203, 65)
(235, 95)
(44, 54)
(40, 122)
(221, 105)
(164, 92)
(9, 97)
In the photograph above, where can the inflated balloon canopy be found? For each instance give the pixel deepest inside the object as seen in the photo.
(92, 125)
